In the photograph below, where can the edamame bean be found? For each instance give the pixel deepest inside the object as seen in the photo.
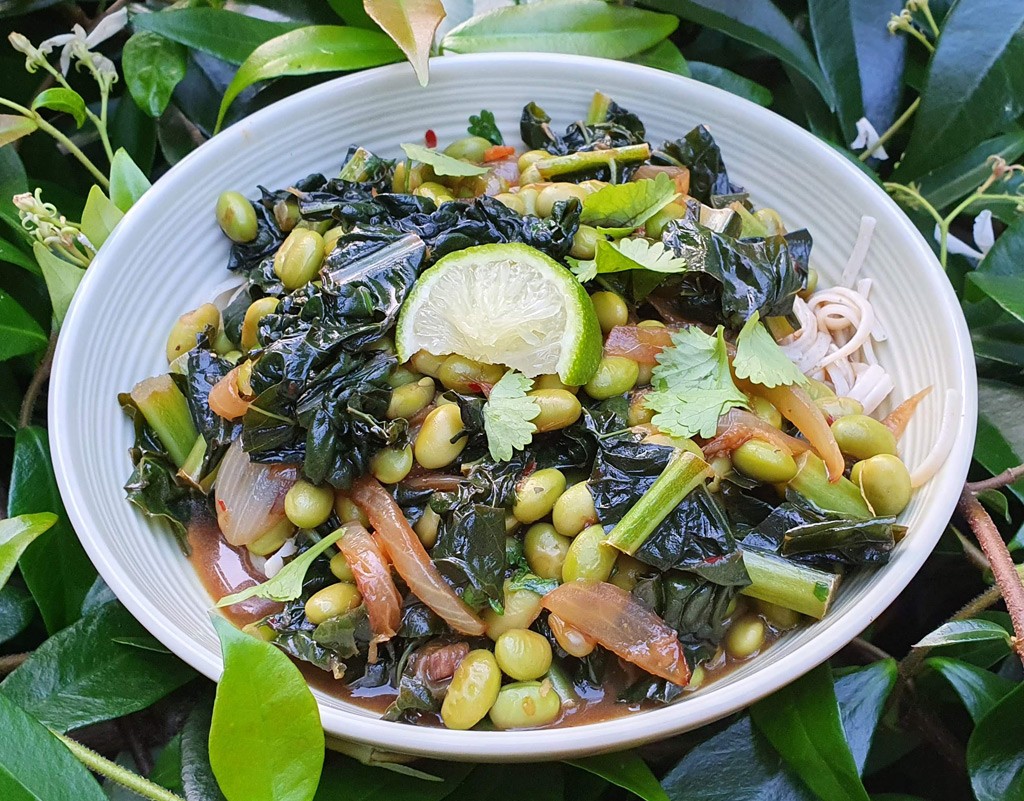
(531, 157)
(552, 382)
(650, 324)
(555, 193)
(525, 704)
(764, 409)
(511, 524)
(468, 148)
(391, 465)
(308, 505)
(779, 617)
(627, 572)
(558, 408)
(589, 557)
(331, 601)
(286, 214)
(298, 260)
(331, 238)
(426, 527)
(512, 201)
(190, 325)
(763, 461)
(545, 550)
(615, 375)
(341, 569)
(348, 511)
(861, 437)
(434, 191)
(273, 539)
(584, 242)
(401, 376)
(536, 494)
(570, 639)
(655, 225)
(574, 510)
(885, 483)
(835, 408)
(467, 375)
(236, 217)
(645, 372)
(680, 443)
(611, 310)
(426, 363)
(522, 607)
(473, 690)
(745, 637)
(720, 466)
(257, 310)
(638, 413)
(434, 446)
(523, 654)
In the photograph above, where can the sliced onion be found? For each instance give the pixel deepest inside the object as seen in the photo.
(642, 345)
(619, 622)
(373, 578)
(410, 558)
(737, 426)
(896, 421)
(225, 399)
(249, 495)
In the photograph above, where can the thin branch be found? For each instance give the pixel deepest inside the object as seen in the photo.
(1007, 477)
(891, 130)
(1003, 568)
(934, 731)
(42, 373)
(973, 553)
(869, 649)
(115, 773)
(10, 663)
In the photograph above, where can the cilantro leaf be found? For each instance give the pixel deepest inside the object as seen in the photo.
(507, 416)
(692, 384)
(759, 358)
(629, 254)
(442, 164)
(485, 126)
(619, 208)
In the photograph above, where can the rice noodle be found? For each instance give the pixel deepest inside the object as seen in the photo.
(943, 443)
(860, 250)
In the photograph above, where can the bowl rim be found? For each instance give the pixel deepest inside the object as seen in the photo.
(557, 743)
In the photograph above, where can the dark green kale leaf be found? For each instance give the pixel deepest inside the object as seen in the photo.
(700, 154)
(618, 128)
(206, 368)
(485, 126)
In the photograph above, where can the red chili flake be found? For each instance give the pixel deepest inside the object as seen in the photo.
(222, 506)
(430, 138)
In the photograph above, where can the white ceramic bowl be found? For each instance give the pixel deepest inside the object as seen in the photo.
(168, 255)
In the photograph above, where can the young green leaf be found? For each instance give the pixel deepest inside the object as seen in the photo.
(266, 739)
(442, 164)
(228, 35)
(58, 98)
(802, 722)
(725, 79)
(55, 567)
(692, 384)
(634, 253)
(12, 254)
(287, 584)
(81, 675)
(127, 181)
(153, 65)
(946, 184)
(35, 766)
(16, 534)
(14, 126)
(1000, 439)
(483, 124)
(19, 333)
(62, 279)
(862, 694)
(99, 217)
(13, 181)
(353, 12)
(663, 56)
(317, 48)
(619, 208)
(760, 360)
(582, 27)
(411, 25)
(624, 769)
(957, 631)
(507, 416)
(979, 689)
(995, 759)
(16, 610)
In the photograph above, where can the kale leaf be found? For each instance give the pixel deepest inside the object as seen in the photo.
(618, 129)
(700, 154)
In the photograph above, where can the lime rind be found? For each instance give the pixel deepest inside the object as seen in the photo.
(503, 304)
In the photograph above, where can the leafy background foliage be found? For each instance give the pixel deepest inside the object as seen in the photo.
(883, 720)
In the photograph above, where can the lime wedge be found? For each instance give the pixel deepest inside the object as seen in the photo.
(503, 304)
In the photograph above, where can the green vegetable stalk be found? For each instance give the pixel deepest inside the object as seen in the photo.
(683, 473)
(843, 496)
(192, 466)
(355, 168)
(794, 586)
(166, 411)
(588, 159)
(598, 111)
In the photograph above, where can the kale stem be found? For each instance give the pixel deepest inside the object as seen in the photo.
(683, 473)
(781, 581)
(585, 159)
(891, 130)
(115, 773)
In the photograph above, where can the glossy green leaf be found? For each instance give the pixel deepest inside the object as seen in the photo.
(55, 567)
(197, 780)
(353, 12)
(760, 24)
(957, 631)
(411, 25)
(999, 276)
(19, 333)
(1000, 439)
(266, 741)
(225, 34)
(16, 610)
(663, 56)
(127, 182)
(344, 777)
(624, 769)
(861, 59)
(135, 131)
(99, 217)
(975, 84)
(945, 185)
(862, 694)
(35, 765)
(12, 254)
(14, 126)
(317, 48)
(13, 181)
(802, 722)
(730, 82)
(58, 98)
(541, 781)
(62, 279)
(582, 27)
(995, 759)
(167, 766)
(979, 689)
(152, 65)
(995, 501)
(16, 534)
(82, 676)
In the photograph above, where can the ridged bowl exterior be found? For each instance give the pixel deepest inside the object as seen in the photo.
(168, 256)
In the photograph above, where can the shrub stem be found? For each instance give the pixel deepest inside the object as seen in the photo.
(115, 773)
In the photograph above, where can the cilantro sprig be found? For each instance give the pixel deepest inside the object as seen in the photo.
(483, 124)
(507, 416)
(760, 360)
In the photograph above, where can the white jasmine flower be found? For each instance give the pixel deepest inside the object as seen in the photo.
(33, 56)
(78, 43)
(867, 136)
(984, 238)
